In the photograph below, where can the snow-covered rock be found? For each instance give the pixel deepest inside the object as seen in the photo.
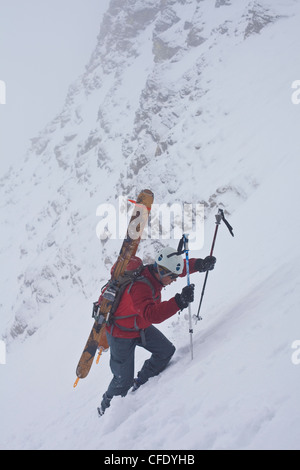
(193, 100)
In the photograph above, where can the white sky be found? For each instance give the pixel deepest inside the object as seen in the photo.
(44, 46)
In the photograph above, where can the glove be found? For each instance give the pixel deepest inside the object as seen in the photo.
(186, 296)
(206, 264)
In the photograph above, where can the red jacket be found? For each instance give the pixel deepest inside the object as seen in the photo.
(145, 306)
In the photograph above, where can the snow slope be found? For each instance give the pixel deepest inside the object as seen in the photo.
(241, 389)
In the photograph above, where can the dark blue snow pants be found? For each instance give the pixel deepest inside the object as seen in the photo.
(122, 361)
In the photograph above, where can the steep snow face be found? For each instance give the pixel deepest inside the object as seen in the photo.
(193, 100)
(173, 93)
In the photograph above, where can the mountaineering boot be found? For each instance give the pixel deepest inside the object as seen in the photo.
(101, 411)
(105, 403)
(136, 384)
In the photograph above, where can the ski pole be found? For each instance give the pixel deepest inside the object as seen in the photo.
(186, 250)
(219, 217)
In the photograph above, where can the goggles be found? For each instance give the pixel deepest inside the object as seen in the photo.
(163, 272)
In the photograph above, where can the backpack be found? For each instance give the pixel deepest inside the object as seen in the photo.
(113, 290)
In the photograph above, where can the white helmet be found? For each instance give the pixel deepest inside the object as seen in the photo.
(169, 259)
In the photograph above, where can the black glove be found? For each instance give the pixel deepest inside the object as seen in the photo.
(206, 264)
(186, 296)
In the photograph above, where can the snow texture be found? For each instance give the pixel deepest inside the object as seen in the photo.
(191, 99)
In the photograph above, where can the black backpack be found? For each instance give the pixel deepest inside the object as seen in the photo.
(113, 290)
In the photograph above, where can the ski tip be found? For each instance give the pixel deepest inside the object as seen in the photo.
(137, 204)
(76, 382)
(148, 191)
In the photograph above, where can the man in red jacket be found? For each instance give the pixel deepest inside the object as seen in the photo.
(139, 308)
